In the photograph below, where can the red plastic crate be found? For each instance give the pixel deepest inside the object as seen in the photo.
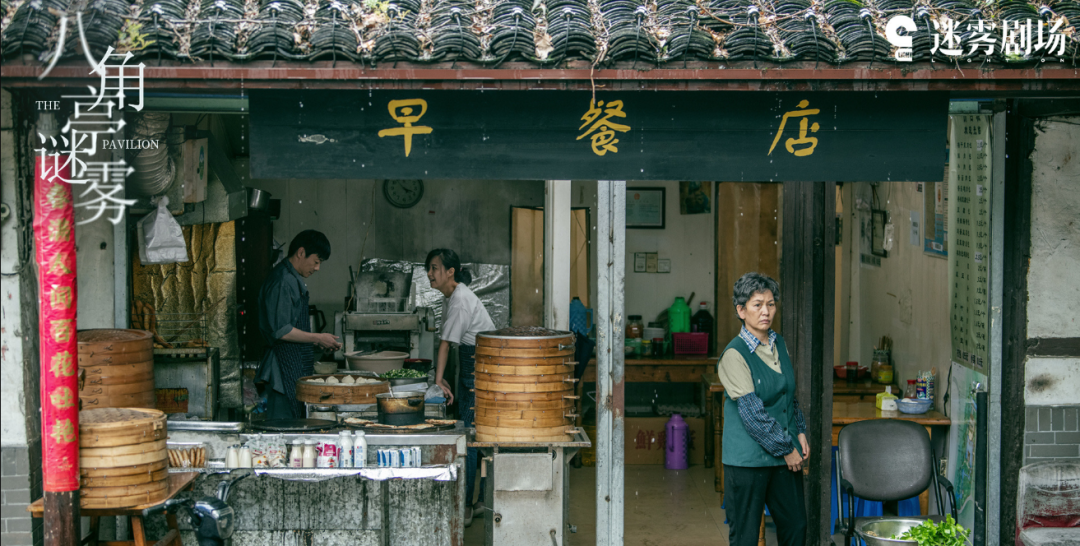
(691, 343)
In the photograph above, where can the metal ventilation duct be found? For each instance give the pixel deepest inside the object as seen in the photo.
(154, 167)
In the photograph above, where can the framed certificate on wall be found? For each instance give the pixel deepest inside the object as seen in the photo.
(645, 208)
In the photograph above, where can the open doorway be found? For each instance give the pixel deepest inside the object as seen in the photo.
(527, 262)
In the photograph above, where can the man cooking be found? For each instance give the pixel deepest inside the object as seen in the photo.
(285, 324)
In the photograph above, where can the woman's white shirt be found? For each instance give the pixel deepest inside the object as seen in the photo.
(464, 316)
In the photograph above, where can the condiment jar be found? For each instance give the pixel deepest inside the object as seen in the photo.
(310, 455)
(634, 328)
(910, 391)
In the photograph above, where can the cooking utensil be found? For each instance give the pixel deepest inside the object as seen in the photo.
(400, 408)
(879, 532)
(294, 425)
(380, 362)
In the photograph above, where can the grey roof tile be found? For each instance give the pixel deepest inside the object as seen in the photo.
(490, 32)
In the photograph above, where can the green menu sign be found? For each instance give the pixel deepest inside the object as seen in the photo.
(969, 238)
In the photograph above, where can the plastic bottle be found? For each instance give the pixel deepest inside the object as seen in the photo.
(702, 321)
(360, 450)
(310, 455)
(296, 456)
(245, 457)
(232, 457)
(910, 391)
(675, 452)
(679, 316)
(345, 449)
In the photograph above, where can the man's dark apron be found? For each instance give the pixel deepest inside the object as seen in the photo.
(295, 359)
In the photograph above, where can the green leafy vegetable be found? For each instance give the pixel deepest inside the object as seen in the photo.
(403, 373)
(948, 533)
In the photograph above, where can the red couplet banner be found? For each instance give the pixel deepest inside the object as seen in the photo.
(54, 239)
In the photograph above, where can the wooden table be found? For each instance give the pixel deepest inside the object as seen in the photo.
(714, 426)
(664, 369)
(846, 413)
(859, 391)
(178, 482)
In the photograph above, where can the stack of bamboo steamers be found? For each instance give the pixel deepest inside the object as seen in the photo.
(524, 385)
(123, 458)
(117, 368)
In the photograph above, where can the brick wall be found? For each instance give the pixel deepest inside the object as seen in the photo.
(1052, 433)
(16, 525)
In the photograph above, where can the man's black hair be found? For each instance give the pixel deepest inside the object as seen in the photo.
(313, 242)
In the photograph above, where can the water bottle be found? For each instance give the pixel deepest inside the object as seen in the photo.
(675, 454)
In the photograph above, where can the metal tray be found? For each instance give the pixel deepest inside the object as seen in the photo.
(399, 430)
(206, 426)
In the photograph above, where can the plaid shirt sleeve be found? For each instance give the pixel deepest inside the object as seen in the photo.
(800, 421)
(762, 427)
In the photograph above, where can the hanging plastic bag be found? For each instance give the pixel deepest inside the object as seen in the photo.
(160, 237)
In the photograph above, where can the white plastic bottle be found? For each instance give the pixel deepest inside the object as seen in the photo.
(345, 449)
(296, 456)
(309, 454)
(359, 457)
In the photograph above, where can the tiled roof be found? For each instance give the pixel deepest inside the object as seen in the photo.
(545, 32)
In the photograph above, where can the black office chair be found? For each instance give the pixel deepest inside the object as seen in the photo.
(887, 460)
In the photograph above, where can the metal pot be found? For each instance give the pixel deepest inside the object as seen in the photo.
(401, 408)
(879, 532)
(258, 199)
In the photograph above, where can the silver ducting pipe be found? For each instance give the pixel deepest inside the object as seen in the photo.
(154, 167)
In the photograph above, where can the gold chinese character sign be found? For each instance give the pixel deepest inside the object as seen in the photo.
(803, 139)
(602, 129)
(402, 112)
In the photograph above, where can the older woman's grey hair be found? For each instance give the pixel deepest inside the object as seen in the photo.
(750, 284)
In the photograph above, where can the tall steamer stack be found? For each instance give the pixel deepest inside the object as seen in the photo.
(524, 385)
(118, 369)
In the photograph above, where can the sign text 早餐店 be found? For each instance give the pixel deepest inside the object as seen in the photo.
(630, 135)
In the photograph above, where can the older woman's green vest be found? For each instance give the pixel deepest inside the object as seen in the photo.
(777, 393)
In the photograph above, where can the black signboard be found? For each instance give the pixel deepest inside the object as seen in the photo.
(634, 135)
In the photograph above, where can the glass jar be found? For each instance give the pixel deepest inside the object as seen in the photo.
(635, 329)
(910, 391)
(880, 370)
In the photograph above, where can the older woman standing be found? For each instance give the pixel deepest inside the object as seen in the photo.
(764, 430)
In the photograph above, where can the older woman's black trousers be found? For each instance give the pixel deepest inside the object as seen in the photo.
(746, 492)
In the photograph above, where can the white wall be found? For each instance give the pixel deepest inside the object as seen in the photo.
(689, 241)
(1054, 272)
(906, 298)
(12, 417)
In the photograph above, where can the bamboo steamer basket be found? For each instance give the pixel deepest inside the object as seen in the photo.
(524, 385)
(119, 368)
(334, 394)
(123, 457)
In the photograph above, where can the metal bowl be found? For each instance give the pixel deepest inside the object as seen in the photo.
(884, 529)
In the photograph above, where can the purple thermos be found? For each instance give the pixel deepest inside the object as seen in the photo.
(675, 456)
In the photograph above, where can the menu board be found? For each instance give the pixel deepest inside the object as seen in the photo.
(969, 234)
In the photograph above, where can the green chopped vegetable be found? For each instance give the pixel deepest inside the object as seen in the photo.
(948, 533)
(402, 374)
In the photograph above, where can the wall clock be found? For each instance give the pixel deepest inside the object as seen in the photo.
(403, 193)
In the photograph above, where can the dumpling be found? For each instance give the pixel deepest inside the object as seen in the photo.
(348, 380)
(315, 380)
(332, 380)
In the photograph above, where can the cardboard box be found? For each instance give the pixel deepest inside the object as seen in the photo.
(196, 168)
(646, 438)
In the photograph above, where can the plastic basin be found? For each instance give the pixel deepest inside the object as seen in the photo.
(909, 405)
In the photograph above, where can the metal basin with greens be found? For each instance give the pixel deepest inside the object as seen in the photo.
(879, 532)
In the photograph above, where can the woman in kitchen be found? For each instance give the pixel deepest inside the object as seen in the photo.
(464, 316)
(764, 430)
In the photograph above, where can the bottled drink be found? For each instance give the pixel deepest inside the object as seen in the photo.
(360, 450)
(345, 449)
(702, 321)
(296, 456)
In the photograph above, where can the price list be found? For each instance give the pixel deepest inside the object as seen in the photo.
(969, 233)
